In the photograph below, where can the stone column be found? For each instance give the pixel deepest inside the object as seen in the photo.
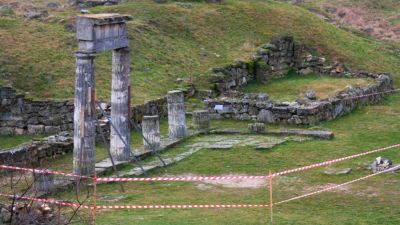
(84, 117)
(151, 131)
(201, 120)
(120, 104)
(176, 115)
(43, 182)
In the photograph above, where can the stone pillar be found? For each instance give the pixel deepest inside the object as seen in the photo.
(84, 117)
(176, 115)
(201, 120)
(120, 104)
(151, 131)
(43, 182)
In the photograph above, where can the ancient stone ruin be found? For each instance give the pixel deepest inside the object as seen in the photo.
(176, 114)
(151, 132)
(20, 115)
(276, 58)
(95, 33)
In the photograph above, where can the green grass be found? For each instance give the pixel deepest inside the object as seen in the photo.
(295, 86)
(373, 201)
(171, 42)
(9, 141)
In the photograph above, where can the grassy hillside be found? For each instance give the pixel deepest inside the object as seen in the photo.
(171, 41)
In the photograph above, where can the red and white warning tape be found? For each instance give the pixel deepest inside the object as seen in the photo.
(337, 186)
(203, 178)
(333, 161)
(45, 171)
(207, 206)
(48, 201)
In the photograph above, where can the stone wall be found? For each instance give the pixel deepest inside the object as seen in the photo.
(247, 106)
(151, 108)
(19, 115)
(274, 58)
(38, 149)
(277, 58)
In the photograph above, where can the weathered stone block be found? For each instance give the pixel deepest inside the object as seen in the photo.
(100, 32)
(256, 127)
(201, 120)
(35, 129)
(52, 129)
(151, 132)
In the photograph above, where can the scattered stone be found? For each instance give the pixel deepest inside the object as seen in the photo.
(310, 94)
(380, 164)
(334, 171)
(331, 9)
(342, 14)
(368, 30)
(36, 214)
(256, 127)
(305, 71)
(185, 5)
(36, 14)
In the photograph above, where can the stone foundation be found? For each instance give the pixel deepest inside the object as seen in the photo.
(37, 150)
(20, 115)
(249, 106)
(276, 58)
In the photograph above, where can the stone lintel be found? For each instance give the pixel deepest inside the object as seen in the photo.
(101, 32)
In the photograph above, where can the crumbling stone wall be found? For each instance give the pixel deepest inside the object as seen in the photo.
(38, 149)
(274, 58)
(20, 115)
(247, 106)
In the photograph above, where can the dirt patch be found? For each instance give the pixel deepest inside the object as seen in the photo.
(361, 18)
(257, 183)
